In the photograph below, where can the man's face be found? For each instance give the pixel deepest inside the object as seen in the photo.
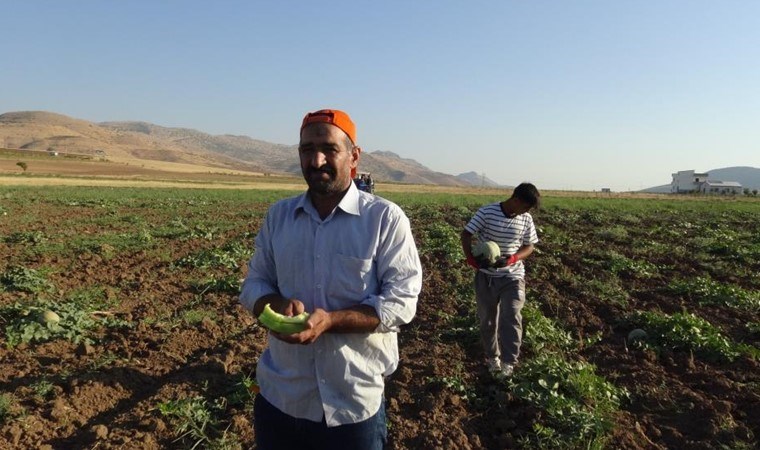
(521, 207)
(327, 158)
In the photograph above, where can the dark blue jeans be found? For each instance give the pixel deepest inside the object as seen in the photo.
(276, 430)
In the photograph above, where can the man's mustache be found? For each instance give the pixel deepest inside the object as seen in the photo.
(326, 170)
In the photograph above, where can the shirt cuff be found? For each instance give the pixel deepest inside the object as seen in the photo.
(392, 314)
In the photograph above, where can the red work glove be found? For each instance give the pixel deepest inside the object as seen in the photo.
(505, 261)
(472, 262)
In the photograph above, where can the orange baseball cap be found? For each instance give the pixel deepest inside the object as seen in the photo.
(334, 117)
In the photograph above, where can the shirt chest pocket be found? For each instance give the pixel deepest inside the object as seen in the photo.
(350, 281)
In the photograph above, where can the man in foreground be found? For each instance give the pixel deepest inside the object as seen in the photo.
(347, 258)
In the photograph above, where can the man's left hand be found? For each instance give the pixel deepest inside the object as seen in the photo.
(318, 323)
(505, 261)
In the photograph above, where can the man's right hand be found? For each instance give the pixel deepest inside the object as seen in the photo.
(476, 263)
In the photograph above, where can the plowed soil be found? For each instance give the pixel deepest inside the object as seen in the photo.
(187, 341)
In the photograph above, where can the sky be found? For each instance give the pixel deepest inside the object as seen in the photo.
(572, 95)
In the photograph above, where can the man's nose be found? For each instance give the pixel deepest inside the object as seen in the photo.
(317, 159)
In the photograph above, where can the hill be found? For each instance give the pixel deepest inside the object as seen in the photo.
(136, 142)
(749, 177)
(278, 158)
(476, 179)
(660, 189)
(36, 130)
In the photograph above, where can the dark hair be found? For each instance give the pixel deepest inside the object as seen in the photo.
(527, 193)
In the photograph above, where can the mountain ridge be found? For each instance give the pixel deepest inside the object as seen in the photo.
(140, 140)
(477, 179)
(137, 141)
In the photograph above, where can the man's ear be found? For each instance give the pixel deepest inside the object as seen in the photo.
(355, 156)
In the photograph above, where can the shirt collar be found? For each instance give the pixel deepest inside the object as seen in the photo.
(349, 203)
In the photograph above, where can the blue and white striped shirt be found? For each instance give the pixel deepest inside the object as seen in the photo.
(490, 224)
(363, 253)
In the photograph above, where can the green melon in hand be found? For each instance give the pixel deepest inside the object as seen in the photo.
(487, 251)
(283, 324)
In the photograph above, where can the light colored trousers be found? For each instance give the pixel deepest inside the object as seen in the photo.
(500, 300)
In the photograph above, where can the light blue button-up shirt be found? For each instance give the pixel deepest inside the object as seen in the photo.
(363, 253)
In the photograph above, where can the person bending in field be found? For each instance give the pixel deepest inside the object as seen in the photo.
(500, 288)
(349, 259)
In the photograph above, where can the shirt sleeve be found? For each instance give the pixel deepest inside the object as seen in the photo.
(262, 278)
(530, 236)
(476, 224)
(399, 272)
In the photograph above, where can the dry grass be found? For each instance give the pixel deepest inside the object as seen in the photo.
(45, 170)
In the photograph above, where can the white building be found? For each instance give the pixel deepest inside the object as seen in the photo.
(687, 181)
(721, 187)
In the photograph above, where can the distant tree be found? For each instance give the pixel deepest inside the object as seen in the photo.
(754, 191)
(746, 191)
(23, 165)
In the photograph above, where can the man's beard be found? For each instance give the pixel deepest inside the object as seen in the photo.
(320, 185)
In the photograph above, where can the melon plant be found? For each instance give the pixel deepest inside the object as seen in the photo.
(637, 335)
(49, 317)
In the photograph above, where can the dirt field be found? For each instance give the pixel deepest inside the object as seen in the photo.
(146, 282)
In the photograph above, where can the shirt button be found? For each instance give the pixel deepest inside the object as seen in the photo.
(319, 286)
